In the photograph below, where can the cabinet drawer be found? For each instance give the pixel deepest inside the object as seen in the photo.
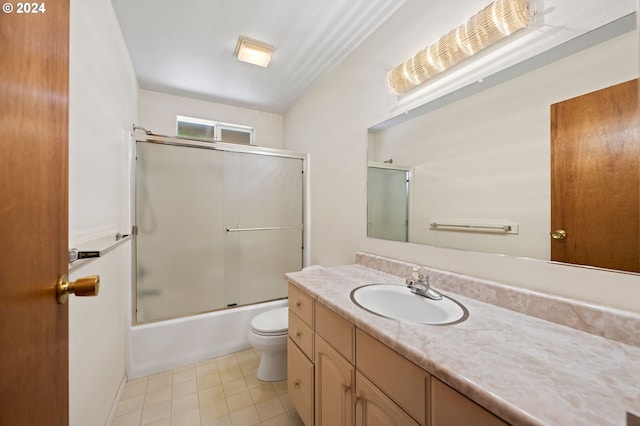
(301, 334)
(300, 382)
(451, 408)
(399, 378)
(337, 331)
(302, 304)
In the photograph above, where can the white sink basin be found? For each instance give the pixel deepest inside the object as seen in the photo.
(398, 302)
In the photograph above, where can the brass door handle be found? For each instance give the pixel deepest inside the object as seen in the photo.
(86, 286)
(559, 234)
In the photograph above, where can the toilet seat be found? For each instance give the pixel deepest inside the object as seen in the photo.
(271, 323)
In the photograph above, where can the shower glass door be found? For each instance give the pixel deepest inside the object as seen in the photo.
(216, 229)
(388, 203)
(263, 226)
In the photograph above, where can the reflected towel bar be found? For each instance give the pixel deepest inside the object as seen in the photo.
(508, 228)
(270, 228)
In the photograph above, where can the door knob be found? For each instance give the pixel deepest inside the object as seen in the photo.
(86, 286)
(559, 234)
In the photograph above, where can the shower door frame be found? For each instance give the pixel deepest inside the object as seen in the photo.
(215, 146)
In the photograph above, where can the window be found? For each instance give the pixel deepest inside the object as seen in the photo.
(198, 128)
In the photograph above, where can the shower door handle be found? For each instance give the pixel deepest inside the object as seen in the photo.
(266, 228)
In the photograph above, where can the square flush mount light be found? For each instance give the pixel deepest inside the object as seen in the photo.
(253, 51)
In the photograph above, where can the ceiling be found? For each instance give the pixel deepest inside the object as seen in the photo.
(185, 47)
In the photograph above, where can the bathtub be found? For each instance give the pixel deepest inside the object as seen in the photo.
(164, 345)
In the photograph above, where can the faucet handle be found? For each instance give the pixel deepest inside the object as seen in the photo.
(418, 273)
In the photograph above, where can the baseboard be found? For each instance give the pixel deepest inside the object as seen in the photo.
(116, 401)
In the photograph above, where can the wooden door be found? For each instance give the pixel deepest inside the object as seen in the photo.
(33, 214)
(595, 147)
(334, 380)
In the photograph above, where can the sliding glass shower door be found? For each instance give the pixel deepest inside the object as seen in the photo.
(388, 203)
(216, 228)
(263, 226)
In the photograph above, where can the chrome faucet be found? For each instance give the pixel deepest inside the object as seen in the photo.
(419, 284)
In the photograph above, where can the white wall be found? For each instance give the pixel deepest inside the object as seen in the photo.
(330, 122)
(102, 108)
(157, 113)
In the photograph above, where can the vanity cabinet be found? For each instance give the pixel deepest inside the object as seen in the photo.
(334, 384)
(300, 371)
(339, 375)
(300, 382)
(373, 407)
(335, 372)
(403, 381)
(450, 408)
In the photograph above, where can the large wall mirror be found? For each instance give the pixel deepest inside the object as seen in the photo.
(475, 172)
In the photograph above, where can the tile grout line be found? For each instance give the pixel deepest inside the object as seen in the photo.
(245, 363)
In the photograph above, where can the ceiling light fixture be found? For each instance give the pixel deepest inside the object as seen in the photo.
(253, 51)
(492, 24)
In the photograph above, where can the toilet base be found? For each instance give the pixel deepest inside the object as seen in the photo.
(273, 366)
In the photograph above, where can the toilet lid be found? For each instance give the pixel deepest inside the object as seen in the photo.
(275, 321)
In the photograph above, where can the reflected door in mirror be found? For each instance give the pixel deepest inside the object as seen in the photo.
(595, 147)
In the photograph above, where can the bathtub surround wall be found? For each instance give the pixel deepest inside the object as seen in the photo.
(102, 107)
(330, 122)
(158, 111)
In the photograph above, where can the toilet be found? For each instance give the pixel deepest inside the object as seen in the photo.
(268, 335)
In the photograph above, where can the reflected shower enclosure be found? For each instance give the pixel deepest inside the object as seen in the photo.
(388, 201)
(217, 226)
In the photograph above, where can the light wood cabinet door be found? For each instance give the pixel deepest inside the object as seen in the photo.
(300, 382)
(334, 386)
(451, 408)
(374, 408)
(401, 379)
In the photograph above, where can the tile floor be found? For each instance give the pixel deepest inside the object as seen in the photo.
(220, 391)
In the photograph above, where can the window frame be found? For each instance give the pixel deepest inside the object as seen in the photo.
(218, 127)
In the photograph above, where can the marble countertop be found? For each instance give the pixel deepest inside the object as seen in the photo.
(526, 370)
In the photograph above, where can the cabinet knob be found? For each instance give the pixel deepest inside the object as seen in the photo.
(298, 304)
(356, 398)
(298, 334)
(559, 234)
(296, 384)
(346, 387)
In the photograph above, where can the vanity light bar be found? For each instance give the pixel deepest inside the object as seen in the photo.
(494, 23)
